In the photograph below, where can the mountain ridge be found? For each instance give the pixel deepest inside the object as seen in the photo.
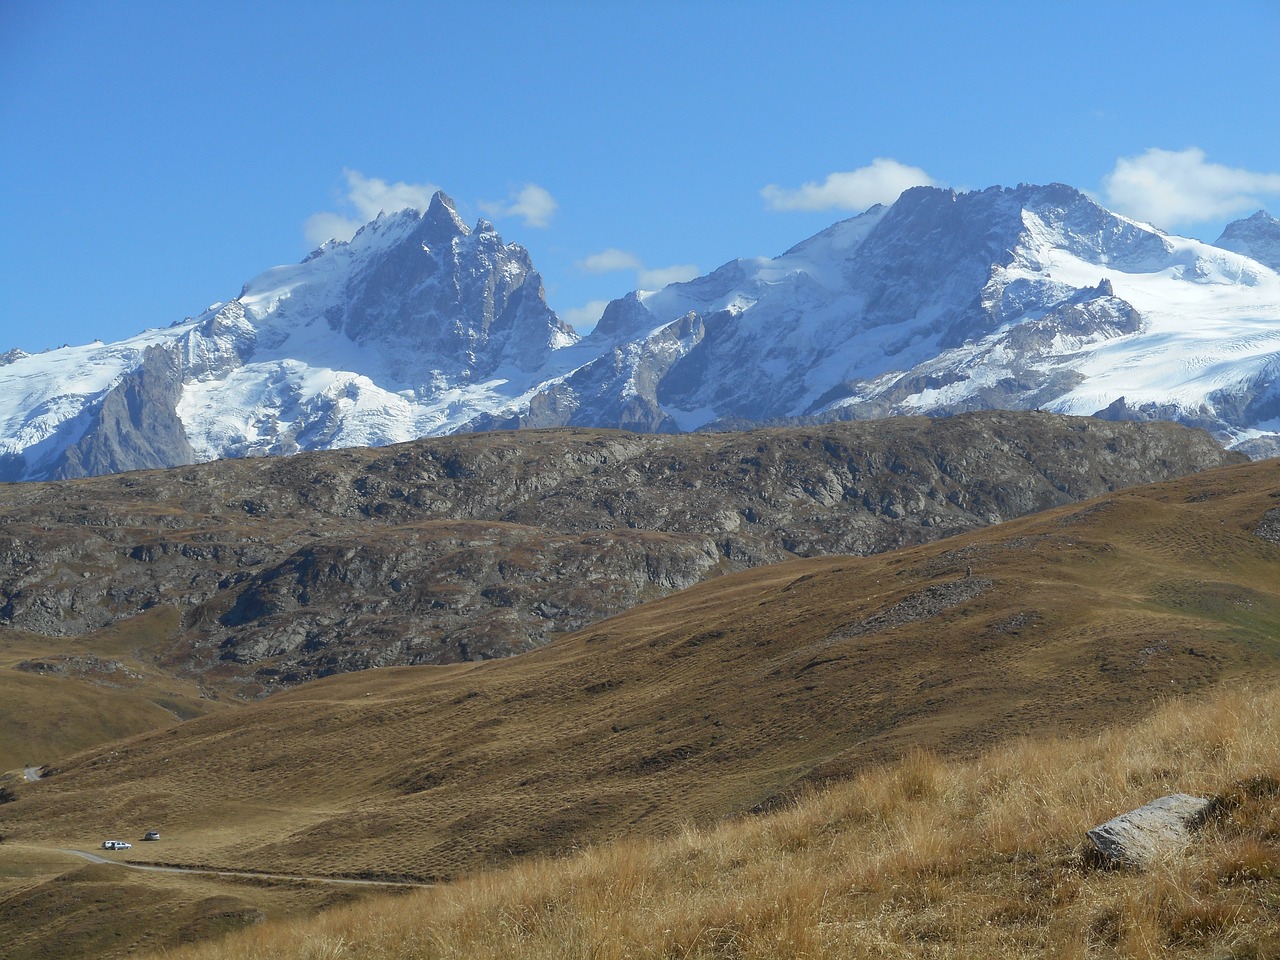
(249, 574)
(1005, 298)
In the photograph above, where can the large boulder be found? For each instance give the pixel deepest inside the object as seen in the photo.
(1143, 836)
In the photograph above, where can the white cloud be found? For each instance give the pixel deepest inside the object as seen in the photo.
(368, 196)
(320, 227)
(584, 318)
(533, 203)
(880, 182)
(1177, 187)
(613, 260)
(610, 261)
(660, 277)
(372, 196)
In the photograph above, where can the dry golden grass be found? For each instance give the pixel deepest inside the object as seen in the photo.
(737, 696)
(64, 697)
(923, 858)
(55, 904)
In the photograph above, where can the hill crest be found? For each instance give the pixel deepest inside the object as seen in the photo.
(245, 574)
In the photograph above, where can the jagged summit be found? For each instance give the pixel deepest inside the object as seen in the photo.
(1033, 296)
(442, 216)
(400, 332)
(438, 222)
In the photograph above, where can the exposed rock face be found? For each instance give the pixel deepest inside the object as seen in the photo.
(137, 426)
(451, 301)
(617, 389)
(487, 545)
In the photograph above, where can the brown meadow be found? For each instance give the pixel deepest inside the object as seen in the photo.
(895, 753)
(921, 858)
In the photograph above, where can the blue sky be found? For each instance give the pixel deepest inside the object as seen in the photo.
(158, 155)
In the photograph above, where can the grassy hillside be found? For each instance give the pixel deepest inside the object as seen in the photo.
(922, 858)
(718, 701)
(83, 692)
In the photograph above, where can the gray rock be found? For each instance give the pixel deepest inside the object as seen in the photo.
(136, 427)
(449, 301)
(1257, 237)
(1269, 528)
(1141, 837)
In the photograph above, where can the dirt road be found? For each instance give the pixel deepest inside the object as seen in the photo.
(97, 858)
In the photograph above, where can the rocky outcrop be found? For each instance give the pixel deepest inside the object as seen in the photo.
(280, 569)
(451, 592)
(137, 426)
(1269, 528)
(1163, 828)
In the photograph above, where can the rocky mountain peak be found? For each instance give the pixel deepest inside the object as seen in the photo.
(443, 303)
(1005, 298)
(441, 217)
(623, 319)
(1257, 236)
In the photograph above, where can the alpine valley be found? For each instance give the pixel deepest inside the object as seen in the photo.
(857, 617)
(1027, 298)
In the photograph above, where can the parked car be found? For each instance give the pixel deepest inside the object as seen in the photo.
(151, 835)
(116, 845)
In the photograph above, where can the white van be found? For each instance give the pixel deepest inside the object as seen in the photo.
(116, 845)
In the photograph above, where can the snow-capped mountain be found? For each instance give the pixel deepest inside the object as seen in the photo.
(1033, 297)
(1258, 237)
(1025, 298)
(407, 330)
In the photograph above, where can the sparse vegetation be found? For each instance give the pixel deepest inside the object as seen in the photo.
(55, 905)
(737, 697)
(47, 714)
(925, 858)
(254, 574)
